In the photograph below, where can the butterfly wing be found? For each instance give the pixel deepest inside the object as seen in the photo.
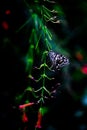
(57, 60)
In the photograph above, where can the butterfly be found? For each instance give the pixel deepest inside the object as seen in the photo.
(57, 60)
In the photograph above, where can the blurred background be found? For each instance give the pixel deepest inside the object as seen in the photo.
(69, 111)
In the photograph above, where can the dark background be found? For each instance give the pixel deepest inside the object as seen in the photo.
(69, 111)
